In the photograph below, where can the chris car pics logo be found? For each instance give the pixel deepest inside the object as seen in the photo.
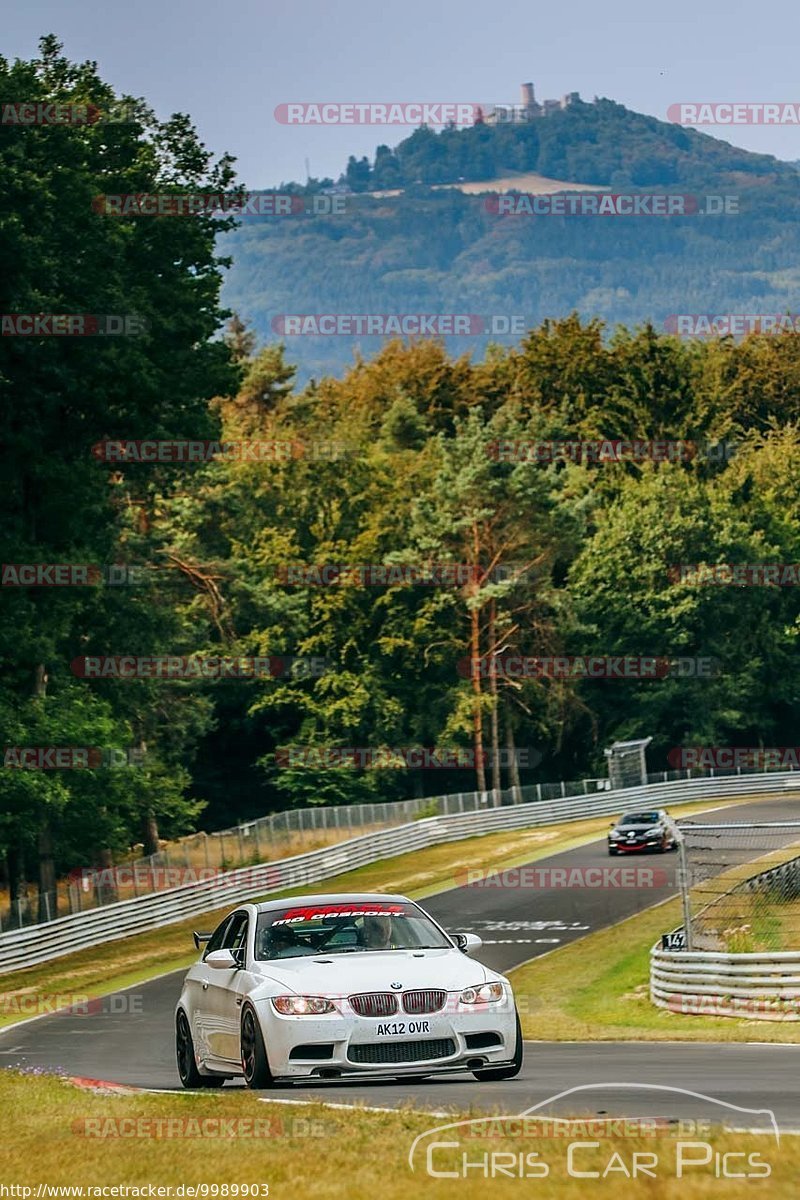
(535, 1145)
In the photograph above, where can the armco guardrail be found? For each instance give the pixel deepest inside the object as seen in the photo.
(40, 943)
(756, 986)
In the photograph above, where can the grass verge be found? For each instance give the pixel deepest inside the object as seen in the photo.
(597, 989)
(62, 1137)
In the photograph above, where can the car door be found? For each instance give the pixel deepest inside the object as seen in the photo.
(197, 989)
(224, 997)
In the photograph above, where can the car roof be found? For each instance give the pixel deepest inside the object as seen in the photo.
(332, 898)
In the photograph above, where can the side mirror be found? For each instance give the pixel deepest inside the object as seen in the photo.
(200, 939)
(221, 960)
(466, 941)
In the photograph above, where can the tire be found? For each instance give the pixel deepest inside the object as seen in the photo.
(495, 1074)
(184, 1053)
(612, 852)
(255, 1064)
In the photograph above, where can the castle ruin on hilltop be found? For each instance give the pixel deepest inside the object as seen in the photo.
(528, 109)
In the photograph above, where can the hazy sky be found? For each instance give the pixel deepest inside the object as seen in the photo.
(228, 66)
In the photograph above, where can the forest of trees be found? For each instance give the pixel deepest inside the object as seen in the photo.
(396, 466)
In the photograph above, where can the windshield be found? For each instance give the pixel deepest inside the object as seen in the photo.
(345, 928)
(649, 818)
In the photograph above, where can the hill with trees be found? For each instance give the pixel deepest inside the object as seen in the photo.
(434, 249)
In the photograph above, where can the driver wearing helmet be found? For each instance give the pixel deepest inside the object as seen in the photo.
(377, 932)
(278, 941)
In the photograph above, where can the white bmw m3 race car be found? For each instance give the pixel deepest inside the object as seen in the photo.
(341, 986)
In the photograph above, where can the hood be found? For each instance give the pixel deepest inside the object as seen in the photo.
(375, 971)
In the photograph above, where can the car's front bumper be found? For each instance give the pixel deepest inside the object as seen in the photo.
(337, 1044)
(632, 847)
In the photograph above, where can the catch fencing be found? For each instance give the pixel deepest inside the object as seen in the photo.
(760, 984)
(25, 947)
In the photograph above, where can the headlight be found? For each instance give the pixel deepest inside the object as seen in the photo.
(482, 993)
(302, 1006)
(615, 835)
(652, 832)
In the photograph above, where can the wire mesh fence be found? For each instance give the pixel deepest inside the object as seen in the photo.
(741, 885)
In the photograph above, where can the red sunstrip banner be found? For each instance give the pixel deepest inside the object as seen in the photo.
(340, 910)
